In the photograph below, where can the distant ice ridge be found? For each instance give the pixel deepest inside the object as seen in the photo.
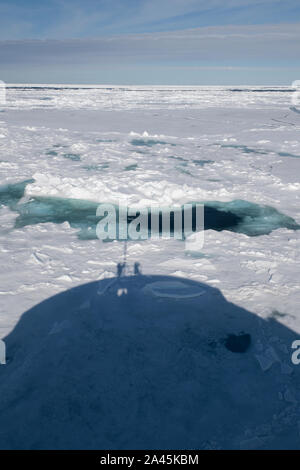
(139, 97)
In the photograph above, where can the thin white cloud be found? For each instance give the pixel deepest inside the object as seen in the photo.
(224, 45)
(156, 10)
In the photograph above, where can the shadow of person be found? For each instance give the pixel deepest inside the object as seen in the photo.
(170, 365)
(137, 269)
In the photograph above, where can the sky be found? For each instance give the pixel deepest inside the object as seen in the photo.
(138, 42)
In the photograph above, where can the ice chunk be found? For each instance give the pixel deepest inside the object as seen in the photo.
(59, 327)
(267, 359)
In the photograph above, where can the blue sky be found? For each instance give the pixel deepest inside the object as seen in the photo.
(150, 41)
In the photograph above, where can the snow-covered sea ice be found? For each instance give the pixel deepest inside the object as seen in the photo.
(224, 315)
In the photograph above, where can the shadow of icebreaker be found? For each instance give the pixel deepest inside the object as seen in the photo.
(143, 362)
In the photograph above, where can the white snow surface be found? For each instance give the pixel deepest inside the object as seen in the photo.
(144, 145)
